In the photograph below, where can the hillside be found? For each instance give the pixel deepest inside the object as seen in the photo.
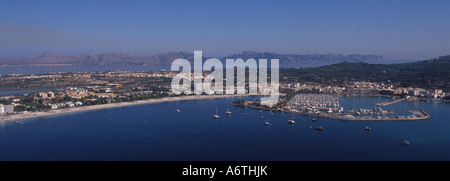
(434, 73)
(293, 58)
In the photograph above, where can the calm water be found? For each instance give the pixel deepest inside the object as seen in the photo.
(79, 68)
(156, 132)
(20, 92)
(93, 68)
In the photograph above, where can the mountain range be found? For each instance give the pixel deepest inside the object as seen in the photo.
(167, 58)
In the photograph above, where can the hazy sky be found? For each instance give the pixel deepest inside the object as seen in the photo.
(396, 29)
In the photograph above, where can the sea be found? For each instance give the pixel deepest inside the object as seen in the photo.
(100, 68)
(155, 132)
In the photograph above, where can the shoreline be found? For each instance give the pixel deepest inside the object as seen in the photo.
(16, 117)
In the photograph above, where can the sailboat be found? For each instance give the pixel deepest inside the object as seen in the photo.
(291, 121)
(216, 116)
(228, 112)
(404, 142)
(318, 128)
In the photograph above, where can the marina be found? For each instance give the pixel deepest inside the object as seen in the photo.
(327, 106)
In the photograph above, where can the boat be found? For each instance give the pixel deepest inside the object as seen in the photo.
(267, 123)
(216, 116)
(368, 128)
(178, 110)
(228, 112)
(271, 113)
(314, 120)
(262, 117)
(404, 142)
(260, 110)
(291, 121)
(318, 128)
(245, 114)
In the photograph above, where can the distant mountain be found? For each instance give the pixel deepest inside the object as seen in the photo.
(99, 59)
(292, 58)
(167, 58)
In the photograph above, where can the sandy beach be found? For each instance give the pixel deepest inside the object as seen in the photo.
(24, 116)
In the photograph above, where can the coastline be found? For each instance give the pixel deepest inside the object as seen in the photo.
(16, 117)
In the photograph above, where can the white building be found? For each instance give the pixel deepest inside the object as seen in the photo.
(70, 105)
(9, 108)
(414, 92)
(53, 106)
(78, 103)
(2, 109)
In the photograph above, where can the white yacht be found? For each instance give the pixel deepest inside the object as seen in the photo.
(228, 112)
(291, 121)
(404, 142)
(216, 116)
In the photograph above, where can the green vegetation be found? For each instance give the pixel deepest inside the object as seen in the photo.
(428, 74)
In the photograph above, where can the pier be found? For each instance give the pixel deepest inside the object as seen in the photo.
(12, 121)
(389, 102)
(416, 115)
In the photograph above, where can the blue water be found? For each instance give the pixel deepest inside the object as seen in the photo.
(21, 92)
(157, 132)
(100, 68)
(79, 68)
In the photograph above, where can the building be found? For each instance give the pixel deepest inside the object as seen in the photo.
(43, 94)
(386, 92)
(4, 109)
(105, 90)
(414, 92)
(54, 106)
(51, 94)
(78, 103)
(9, 108)
(438, 91)
(70, 105)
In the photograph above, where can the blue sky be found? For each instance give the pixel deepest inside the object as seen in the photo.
(398, 30)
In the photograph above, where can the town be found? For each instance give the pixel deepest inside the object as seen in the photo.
(68, 90)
